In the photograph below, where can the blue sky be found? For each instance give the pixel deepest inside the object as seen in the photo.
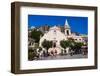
(77, 24)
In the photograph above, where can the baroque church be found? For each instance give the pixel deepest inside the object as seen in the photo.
(55, 35)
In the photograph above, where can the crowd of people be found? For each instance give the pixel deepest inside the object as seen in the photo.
(35, 54)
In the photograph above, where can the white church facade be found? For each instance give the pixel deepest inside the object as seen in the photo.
(55, 35)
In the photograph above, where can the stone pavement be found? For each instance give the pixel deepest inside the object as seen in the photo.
(78, 56)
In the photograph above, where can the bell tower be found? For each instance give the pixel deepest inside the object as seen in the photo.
(67, 28)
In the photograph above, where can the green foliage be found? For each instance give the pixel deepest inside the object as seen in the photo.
(36, 35)
(66, 43)
(47, 44)
(78, 45)
(71, 43)
(32, 54)
(63, 44)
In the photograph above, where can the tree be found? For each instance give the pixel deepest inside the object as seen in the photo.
(32, 54)
(47, 44)
(36, 35)
(74, 46)
(78, 46)
(63, 44)
(71, 43)
(66, 43)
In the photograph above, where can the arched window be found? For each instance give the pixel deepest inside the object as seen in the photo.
(67, 32)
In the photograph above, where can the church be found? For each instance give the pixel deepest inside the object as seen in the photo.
(55, 35)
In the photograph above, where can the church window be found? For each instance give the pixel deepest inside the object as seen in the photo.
(67, 32)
